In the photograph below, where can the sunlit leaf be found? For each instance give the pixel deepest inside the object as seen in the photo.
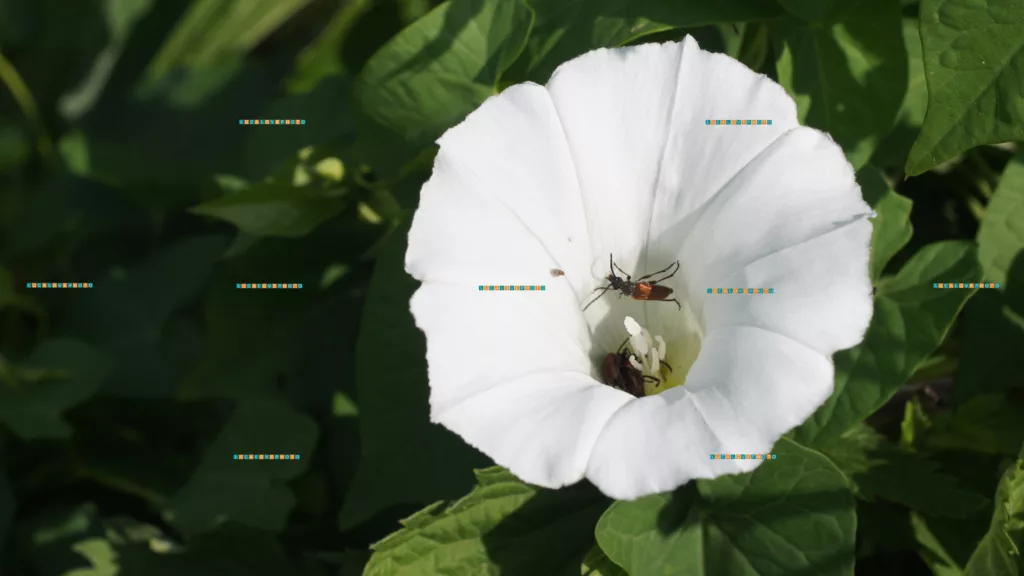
(1000, 551)
(848, 76)
(1001, 235)
(503, 526)
(273, 209)
(973, 60)
(433, 73)
(893, 150)
(891, 229)
(792, 515)
(565, 29)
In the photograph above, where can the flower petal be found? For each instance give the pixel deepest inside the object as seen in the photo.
(635, 122)
(773, 214)
(616, 108)
(542, 427)
(509, 372)
(822, 291)
(747, 388)
(503, 205)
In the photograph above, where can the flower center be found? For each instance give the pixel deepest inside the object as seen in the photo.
(663, 364)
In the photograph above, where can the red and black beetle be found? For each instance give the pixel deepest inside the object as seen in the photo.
(644, 288)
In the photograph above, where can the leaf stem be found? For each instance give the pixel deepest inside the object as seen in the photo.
(23, 97)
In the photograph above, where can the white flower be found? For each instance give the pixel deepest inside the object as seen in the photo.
(613, 156)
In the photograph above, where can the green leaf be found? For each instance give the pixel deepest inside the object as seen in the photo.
(893, 150)
(911, 319)
(891, 229)
(848, 77)
(503, 526)
(974, 53)
(393, 396)
(597, 563)
(126, 312)
(946, 544)
(323, 57)
(932, 550)
(1001, 235)
(993, 338)
(59, 375)
(999, 552)
(988, 423)
(275, 209)
(254, 493)
(566, 29)
(434, 73)
(793, 515)
(881, 470)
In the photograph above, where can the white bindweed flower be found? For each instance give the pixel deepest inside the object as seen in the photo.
(613, 156)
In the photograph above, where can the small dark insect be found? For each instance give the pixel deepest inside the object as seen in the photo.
(645, 287)
(556, 272)
(619, 373)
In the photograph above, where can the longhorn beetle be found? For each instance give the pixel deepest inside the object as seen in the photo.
(644, 288)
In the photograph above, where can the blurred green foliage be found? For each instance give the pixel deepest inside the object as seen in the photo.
(122, 163)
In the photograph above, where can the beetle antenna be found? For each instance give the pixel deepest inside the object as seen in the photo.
(665, 269)
(598, 297)
(628, 277)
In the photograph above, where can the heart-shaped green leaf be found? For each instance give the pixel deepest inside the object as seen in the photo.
(503, 527)
(974, 63)
(794, 515)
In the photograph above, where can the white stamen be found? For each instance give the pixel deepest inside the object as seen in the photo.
(654, 362)
(647, 337)
(634, 363)
(639, 344)
(661, 347)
